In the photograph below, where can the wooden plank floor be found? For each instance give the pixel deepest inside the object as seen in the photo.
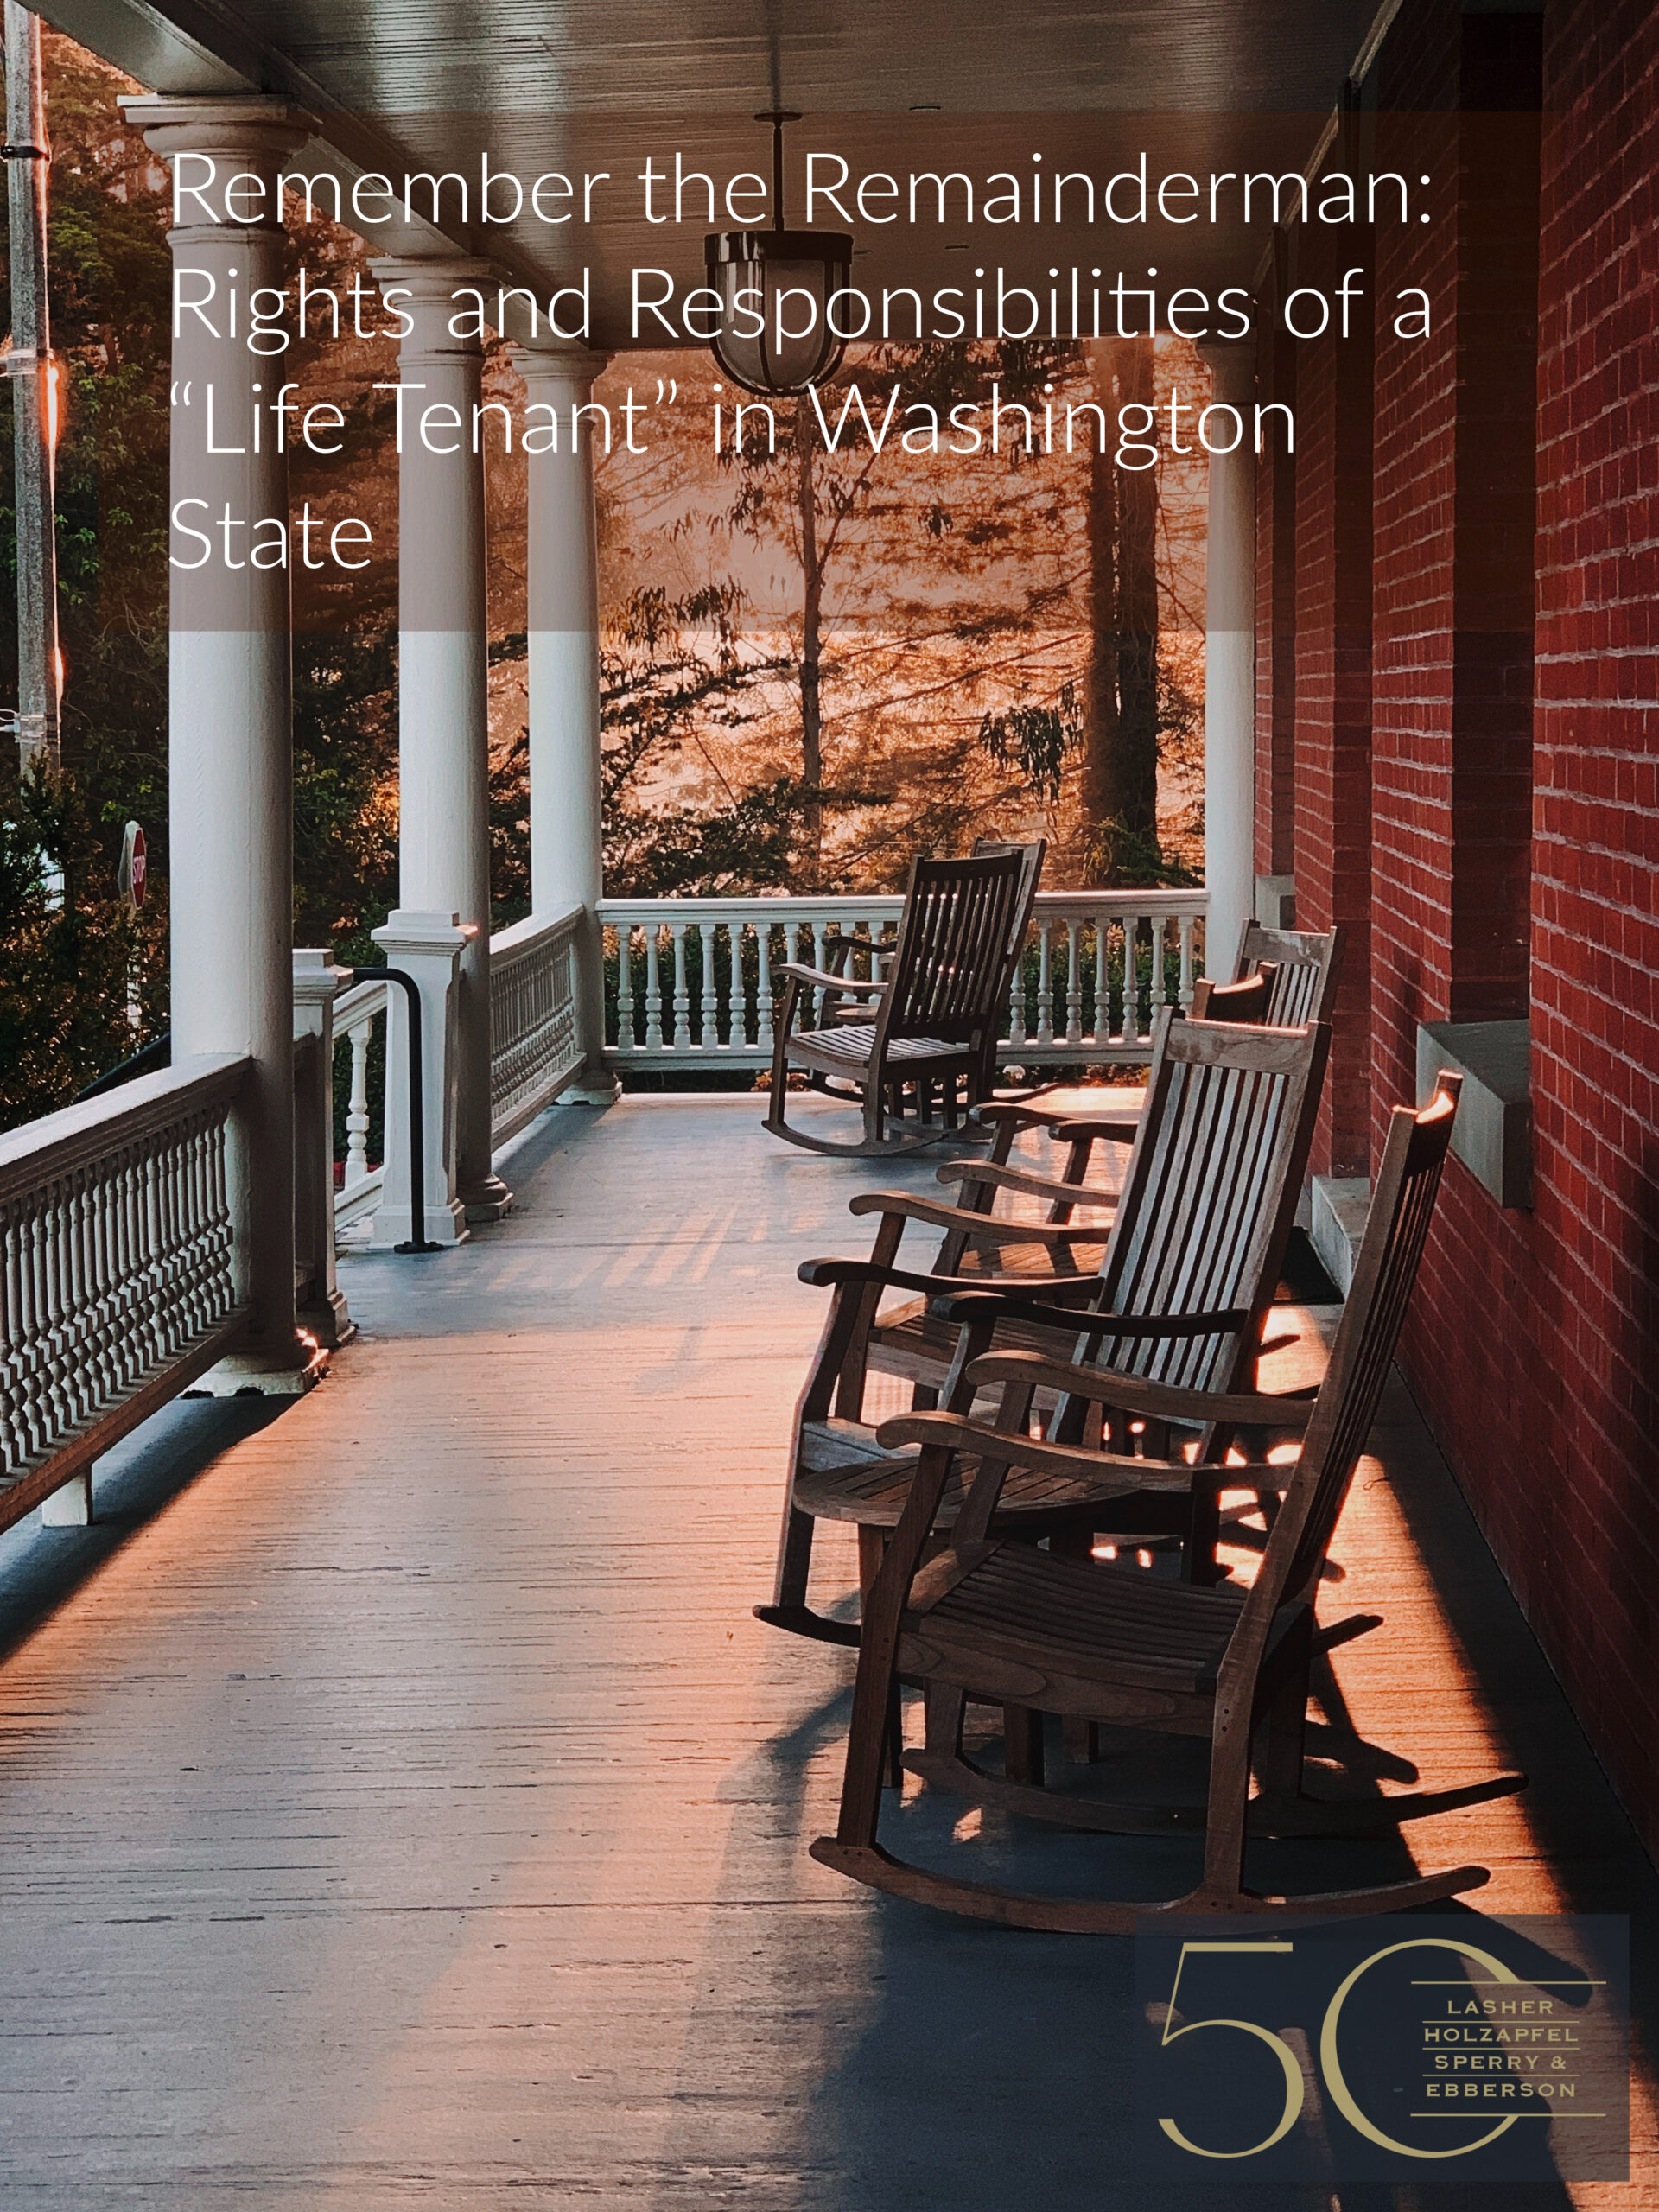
(400, 1807)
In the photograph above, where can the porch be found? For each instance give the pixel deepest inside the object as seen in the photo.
(401, 1805)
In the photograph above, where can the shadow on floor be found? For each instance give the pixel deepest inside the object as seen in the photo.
(40, 1567)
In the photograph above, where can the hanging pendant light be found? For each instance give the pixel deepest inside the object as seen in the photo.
(752, 270)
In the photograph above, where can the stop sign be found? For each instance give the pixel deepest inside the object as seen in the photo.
(135, 867)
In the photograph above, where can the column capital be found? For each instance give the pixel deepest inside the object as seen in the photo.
(573, 365)
(427, 290)
(1231, 364)
(250, 124)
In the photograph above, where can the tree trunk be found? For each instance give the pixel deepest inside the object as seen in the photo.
(1100, 724)
(1137, 617)
(812, 623)
(1120, 767)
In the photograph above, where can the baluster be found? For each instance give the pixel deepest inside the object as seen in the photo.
(1142, 1014)
(11, 1431)
(763, 987)
(653, 991)
(626, 1040)
(1187, 921)
(682, 994)
(1100, 995)
(1017, 998)
(1045, 984)
(1074, 980)
(357, 1109)
(818, 927)
(707, 1004)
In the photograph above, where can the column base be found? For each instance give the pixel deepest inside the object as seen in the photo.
(256, 1374)
(488, 1200)
(329, 1320)
(594, 1086)
(445, 1225)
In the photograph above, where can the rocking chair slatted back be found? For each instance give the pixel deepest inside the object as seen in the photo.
(1307, 961)
(1210, 1193)
(950, 963)
(1395, 1233)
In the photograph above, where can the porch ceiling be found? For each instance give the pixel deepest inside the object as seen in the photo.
(416, 85)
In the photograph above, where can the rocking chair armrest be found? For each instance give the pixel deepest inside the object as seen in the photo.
(1018, 1300)
(961, 1433)
(1067, 1122)
(1135, 1394)
(821, 980)
(996, 1229)
(1063, 1291)
(1035, 1186)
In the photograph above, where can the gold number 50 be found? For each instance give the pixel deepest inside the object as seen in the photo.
(1330, 2063)
(1294, 2085)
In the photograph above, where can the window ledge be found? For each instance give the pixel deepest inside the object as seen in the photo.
(1493, 1134)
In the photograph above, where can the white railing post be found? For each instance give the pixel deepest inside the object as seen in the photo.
(323, 1308)
(230, 718)
(428, 947)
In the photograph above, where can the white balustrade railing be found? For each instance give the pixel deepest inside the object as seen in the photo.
(535, 1048)
(697, 988)
(356, 1013)
(115, 1271)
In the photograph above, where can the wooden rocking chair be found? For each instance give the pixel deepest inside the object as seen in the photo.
(1002, 1620)
(938, 1010)
(1180, 1298)
(1304, 968)
(1243, 1002)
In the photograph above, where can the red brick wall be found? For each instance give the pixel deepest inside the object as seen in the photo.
(1453, 614)
(1333, 685)
(1532, 1341)
(1275, 603)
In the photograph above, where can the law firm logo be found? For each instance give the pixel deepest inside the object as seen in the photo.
(1412, 2049)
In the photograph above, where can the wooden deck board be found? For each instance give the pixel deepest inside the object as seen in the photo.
(408, 1811)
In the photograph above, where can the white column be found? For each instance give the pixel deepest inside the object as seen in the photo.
(430, 948)
(443, 845)
(230, 722)
(567, 832)
(1230, 664)
(323, 1311)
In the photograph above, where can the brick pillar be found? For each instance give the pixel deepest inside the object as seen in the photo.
(1332, 718)
(1453, 618)
(1275, 590)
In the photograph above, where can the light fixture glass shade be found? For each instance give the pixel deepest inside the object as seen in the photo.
(775, 288)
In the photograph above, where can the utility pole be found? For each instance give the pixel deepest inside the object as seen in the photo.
(34, 398)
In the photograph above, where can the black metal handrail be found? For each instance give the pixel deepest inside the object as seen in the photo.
(158, 1053)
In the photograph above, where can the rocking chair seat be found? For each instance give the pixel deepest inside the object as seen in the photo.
(915, 1342)
(834, 1484)
(849, 1045)
(1009, 1621)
